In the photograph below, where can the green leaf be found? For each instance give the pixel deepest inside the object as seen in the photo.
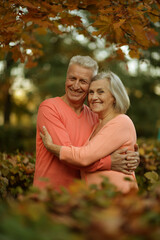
(152, 176)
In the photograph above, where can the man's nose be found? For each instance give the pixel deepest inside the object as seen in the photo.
(76, 84)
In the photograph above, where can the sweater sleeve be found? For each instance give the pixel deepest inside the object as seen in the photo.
(111, 137)
(100, 165)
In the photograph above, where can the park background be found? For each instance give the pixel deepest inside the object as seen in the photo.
(33, 62)
(37, 40)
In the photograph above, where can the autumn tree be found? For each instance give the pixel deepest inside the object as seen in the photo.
(120, 22)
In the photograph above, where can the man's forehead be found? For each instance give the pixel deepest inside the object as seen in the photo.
(76, 65)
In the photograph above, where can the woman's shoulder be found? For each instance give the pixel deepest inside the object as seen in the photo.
(122, 120)
(125, 121)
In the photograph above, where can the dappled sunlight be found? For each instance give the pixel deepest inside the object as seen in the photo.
(23, 120)
(14, 119)
(138, 93)
(157, 89)
(1, 118)
(20, 96)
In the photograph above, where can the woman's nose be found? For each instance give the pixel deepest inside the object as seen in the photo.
(94, 96)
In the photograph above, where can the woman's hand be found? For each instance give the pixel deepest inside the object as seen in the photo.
(46, 138)
(48, 143)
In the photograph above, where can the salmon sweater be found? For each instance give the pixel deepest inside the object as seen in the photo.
(66, 128)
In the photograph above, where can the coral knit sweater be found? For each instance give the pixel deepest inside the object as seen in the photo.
(66, 128)
(117, 133)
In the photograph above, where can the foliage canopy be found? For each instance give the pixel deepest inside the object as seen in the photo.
(120, 22)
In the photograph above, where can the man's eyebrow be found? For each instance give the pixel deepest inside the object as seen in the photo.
(71, 75)
(85, 79)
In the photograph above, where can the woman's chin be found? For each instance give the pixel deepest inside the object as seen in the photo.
(95, 110)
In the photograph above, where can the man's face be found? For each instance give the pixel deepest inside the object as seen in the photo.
(77, 83)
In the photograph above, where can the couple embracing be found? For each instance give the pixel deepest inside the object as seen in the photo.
(75, 141)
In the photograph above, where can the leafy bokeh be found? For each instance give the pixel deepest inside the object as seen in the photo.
(80, 212)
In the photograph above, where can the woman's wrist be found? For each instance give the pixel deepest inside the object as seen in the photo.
(55, 149)
(50, 147)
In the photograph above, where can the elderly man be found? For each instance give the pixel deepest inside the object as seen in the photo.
(70, 122)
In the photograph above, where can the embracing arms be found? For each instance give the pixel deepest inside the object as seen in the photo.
(121, 160)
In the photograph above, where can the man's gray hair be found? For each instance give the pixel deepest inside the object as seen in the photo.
(117, 89)
(85, 61)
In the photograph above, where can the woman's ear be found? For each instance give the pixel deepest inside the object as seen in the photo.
(114, 102)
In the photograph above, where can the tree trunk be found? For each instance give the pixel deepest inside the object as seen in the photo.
(7, 109)
(7, 96)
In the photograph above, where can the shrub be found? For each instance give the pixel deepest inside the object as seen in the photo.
(16, 173)
(81, 212)
(148, 172)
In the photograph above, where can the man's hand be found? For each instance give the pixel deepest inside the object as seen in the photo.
(133, 156)
(125, 161)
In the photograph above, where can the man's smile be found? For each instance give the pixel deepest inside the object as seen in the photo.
(75, 92)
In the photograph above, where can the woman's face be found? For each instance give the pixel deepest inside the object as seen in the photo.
(100, 98)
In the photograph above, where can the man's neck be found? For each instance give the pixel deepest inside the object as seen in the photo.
(77, 108)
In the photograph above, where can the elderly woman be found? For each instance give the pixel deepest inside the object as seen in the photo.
(108, 98)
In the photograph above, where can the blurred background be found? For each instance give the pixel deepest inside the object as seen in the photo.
(23, 89)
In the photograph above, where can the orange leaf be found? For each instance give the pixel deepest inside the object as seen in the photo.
(118, 24)
(41, 30)
(151, 36)
(31, 64)
(119, 36)
(134, 54)
(120, 54)
(28, 4)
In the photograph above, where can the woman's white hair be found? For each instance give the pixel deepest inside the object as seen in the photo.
(117, 89)
(85, 61)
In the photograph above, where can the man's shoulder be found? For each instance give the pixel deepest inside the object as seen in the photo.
(49, 101)
(55, 106)
(50, 105)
